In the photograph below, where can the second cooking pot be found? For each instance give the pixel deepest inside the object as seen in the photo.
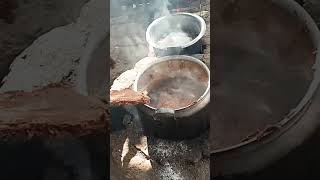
(176, 34)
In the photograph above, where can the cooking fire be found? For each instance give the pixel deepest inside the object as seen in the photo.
(164, 89)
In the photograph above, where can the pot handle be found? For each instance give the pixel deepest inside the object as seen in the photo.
(164, 113)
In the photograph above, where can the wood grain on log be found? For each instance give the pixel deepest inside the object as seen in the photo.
(128, 97)
(53, 111)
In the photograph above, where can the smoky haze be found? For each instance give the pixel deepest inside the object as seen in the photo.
(129, 22)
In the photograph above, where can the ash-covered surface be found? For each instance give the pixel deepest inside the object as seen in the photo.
(134, 155)
(55, 56)
(22, 22)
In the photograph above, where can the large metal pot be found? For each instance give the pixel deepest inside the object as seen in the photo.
(194, 26)
(256, 153)
(180, 122)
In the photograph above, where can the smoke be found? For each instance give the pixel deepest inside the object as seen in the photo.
(128, 46)
(161, 8)
(128, 31)
(129, 22)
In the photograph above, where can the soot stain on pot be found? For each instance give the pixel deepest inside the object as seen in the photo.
(263, 66)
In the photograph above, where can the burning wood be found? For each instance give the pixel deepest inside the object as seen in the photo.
(128, 97)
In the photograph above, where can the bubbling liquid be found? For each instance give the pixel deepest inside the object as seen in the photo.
(175, 93)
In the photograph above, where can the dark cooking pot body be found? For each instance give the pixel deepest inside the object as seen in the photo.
(183, 123)
(191, 24)
(168, 127)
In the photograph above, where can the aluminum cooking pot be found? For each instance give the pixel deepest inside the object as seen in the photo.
(179, 122)
(192, 25)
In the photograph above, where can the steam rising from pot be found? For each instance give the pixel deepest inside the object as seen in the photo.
(175, 39)
(131, 42)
